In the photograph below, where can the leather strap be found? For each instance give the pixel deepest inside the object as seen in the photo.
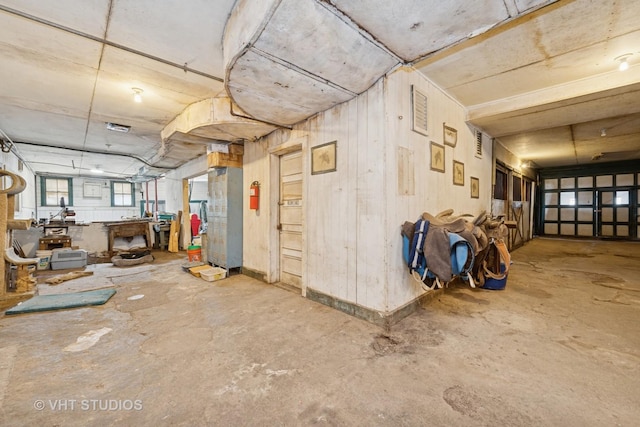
(505, 259)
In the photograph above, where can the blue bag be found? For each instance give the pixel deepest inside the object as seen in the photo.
(461, 256)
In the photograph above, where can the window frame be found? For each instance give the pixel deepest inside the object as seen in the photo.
(113, 194)
(43, 190)
(501, 186)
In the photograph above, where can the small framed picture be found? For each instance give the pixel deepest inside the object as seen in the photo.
(449, 135)
(323, 158)
(458, 173)
(437, 157)
(475, 188)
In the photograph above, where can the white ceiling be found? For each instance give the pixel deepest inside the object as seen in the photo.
(538, 75)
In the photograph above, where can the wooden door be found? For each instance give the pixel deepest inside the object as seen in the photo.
(291, 219)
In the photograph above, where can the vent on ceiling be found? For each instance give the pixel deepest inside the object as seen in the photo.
(118, 128)
(419, 105)
(478, 152)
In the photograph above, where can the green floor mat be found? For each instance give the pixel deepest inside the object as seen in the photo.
(62, 301)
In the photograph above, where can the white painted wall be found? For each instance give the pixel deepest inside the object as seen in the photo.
(352, 238)
(258, 245)
(434, 191)
(198, 190)
(90, 209)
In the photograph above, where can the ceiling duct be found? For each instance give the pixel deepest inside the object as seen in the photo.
(214, 119)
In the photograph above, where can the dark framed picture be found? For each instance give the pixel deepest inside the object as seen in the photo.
(437, 157)
(449, 135)
(458, 173)
(475, 188)
(323, 158)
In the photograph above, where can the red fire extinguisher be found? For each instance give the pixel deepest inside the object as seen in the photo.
(254, 195)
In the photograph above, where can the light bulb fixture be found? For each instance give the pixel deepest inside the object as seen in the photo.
(603, 132)
(97, 170)
(624, 65)
(137, 94)
(623, 61)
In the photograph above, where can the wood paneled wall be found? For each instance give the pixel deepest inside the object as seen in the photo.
(352, 241)
(434, 191)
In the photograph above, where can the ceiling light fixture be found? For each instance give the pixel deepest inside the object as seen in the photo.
(118, 127)
(623, 61)
(603, 132)
(137, 94)
(97, 170)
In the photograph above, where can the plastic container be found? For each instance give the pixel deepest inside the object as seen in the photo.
(44, 259)
(196, 241)
(212, 274)
(194, 253)
(197, 270)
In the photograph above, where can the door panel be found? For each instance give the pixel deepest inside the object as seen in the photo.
(291, 219)
(615, 213)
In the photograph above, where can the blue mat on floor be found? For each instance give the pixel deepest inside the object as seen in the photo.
(62, 301)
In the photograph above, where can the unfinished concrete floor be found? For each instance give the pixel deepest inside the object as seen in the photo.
(560, 346)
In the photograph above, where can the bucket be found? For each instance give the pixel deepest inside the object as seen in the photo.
(496, 284)
(44, 257)
(194, 253)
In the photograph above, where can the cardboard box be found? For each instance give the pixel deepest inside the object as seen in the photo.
(236, 149)
(224, 160)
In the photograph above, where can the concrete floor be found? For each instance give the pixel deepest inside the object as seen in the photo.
(560, 346)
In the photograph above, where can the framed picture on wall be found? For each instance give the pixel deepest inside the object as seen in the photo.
(449, 135)
(92, 190)
(323, 158)
(458, 173)
(437, 157)
(475, 188)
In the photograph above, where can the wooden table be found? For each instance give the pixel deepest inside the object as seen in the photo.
(128, 229)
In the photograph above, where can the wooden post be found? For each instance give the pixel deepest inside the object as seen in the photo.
(186, 217)
(3, 242)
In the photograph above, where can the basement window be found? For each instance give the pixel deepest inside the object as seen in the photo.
(122, 194)
(52, 189)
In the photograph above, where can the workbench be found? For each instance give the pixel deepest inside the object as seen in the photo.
(128, 229)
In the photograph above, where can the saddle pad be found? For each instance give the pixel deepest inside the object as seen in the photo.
(62, 301)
